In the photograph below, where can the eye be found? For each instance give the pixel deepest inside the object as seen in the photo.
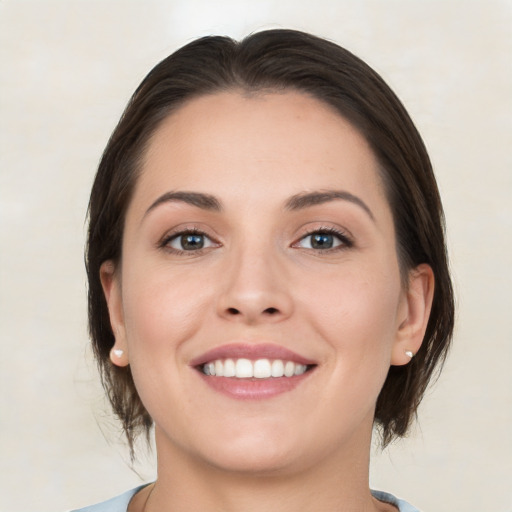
(188, 241)
(324, 240)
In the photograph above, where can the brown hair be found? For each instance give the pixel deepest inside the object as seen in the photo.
(277, 60)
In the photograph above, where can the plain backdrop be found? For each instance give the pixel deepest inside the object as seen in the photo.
(67, 70)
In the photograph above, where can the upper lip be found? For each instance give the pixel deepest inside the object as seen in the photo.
(252, 351)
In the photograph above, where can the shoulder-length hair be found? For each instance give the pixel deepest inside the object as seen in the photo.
(279, 60)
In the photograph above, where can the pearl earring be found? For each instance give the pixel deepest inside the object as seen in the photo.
(410, 354)
(118, 352)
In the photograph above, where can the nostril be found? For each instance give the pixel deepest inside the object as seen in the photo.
(233, 311)
(271, 311)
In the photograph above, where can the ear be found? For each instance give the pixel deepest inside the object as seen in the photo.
(112, 289)
(414, 314)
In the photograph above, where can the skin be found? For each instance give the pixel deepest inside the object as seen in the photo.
(259, 280)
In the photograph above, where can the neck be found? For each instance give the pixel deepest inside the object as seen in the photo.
(339, 481)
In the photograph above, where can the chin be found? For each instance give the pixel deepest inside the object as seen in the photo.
(260, 448)
(256, 458)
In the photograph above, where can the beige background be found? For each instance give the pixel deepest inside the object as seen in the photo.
(66, 70)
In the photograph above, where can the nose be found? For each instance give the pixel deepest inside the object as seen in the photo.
(255, 289)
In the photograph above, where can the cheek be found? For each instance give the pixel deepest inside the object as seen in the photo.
(356, 311)
(161, 310)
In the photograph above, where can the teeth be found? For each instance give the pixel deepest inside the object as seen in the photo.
(246, 369)
(289, 369)
(229, 368)
(219, 368)
(300, 369)
(277, 368)
(262, 369)
(243, 369)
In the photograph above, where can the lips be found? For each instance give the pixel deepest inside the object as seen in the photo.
(253, 352)
(252, 370)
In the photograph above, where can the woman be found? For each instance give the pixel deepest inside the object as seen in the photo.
(267, 275)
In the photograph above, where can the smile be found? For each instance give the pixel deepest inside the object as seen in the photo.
(246, 369)
(253, 371)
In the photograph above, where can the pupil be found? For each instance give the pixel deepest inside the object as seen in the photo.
(191, 242)
(322, 241)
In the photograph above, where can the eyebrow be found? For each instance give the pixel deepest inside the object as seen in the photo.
(308, 199)
(296, 202)
(203, 201)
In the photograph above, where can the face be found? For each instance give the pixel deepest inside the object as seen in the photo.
(259, 299)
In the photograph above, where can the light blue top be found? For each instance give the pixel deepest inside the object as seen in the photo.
(402, 505)
(120, 503)
(117, 504)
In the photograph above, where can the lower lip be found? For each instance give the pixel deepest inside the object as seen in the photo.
(253, 389)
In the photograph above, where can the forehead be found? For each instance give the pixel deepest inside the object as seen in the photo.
(272, 144)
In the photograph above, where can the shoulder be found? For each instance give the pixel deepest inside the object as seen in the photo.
(117, 504)
(402, 505)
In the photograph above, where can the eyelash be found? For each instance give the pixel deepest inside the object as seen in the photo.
(345, 241)
(164, 244)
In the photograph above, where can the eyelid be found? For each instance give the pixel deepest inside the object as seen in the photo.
(184, 230)
(345, 239)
